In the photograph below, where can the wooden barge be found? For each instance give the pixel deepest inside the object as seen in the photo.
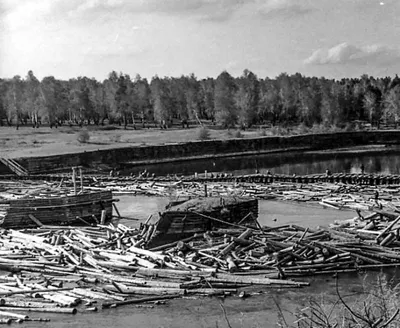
(184, 219)
(56, 209)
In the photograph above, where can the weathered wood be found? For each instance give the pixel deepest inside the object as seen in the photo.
(388, 228)
(32, 217)
(42, 309)
(53, 210)
(123, 289)
(140, 300)
(31, 291)
(13, 315)
(232, 245)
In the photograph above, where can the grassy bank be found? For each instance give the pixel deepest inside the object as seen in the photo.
(28, 142)
(44, 141)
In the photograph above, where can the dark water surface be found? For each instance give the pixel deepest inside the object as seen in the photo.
(383, 160)
(271, 212)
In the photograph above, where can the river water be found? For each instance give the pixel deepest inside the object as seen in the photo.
(382, 159)
(261, 309)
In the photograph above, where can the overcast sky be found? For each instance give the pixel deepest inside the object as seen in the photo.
(70, 38)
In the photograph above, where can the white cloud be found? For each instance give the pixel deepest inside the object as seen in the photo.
(19, 14)
(271, 8)
(203, 9)
(345, 53)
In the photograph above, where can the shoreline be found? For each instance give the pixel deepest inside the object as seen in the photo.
(103, 159)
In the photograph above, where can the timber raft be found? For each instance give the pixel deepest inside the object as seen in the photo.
(345, 178)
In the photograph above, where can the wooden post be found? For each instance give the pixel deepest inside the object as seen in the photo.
(148, 219)
(81, 176)
(74, 178)
(116, 210)
(103, 217)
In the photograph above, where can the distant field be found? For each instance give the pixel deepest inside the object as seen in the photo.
(44, 141)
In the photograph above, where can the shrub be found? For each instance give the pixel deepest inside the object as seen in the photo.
(318, 128)
(83, 136)
(349, 126)
(262, 132)
(115, 138)
(238, 134)
(107, 127)
(302, 129)
(203, 133)
(279, 131)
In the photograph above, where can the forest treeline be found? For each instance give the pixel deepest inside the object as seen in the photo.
(227, 101)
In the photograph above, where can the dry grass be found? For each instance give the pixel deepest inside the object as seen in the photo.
(377, 306)
(27, 142)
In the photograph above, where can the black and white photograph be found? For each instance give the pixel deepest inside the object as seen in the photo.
(200, 163)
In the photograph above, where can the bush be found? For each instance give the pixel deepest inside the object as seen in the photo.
(203, 133)
(262, 132)
(279, 131)
(349, 126)
(115, 138)
(83, 136)
(318, 128)
(238, 134)
(107, 127)
(302, 129)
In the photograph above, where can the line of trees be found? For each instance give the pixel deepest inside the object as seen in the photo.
(227, 101)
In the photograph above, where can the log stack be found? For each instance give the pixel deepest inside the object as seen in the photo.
(66, 269)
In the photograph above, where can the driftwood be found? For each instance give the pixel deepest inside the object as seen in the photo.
(41, 309)
(140, 300)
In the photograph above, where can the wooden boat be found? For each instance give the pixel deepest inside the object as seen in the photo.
(55, 208)
(184, 219)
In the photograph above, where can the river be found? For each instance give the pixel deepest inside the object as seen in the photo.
(261, 308)
(378, 159)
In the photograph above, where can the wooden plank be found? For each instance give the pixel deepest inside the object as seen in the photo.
(32, 217)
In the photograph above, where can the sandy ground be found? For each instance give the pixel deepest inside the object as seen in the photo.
(27, 142)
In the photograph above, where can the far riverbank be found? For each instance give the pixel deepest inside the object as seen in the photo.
(196, 150)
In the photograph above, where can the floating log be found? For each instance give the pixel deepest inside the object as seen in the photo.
(41, 309)
(140, 300)
(13, 315)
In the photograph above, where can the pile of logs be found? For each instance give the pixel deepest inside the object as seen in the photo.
(66, 269)
(334, 195)
(289, 191)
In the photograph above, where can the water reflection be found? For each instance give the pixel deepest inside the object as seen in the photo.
(300, 163)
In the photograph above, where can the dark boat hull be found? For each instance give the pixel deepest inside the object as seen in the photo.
(63, 210)
(185, 220)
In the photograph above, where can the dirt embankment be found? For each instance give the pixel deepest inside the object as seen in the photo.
(146, 154)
